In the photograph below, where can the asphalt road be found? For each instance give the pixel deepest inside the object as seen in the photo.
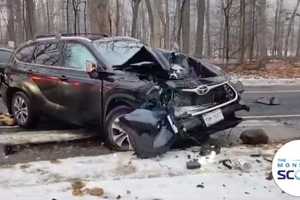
(288, 96)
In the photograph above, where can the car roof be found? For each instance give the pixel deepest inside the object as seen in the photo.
(7, 50)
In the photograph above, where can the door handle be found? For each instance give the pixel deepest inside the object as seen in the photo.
(63, 78)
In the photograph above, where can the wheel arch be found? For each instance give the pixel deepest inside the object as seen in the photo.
(118, 100)
(10, 93)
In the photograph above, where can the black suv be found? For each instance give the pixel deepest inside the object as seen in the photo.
(93, 80)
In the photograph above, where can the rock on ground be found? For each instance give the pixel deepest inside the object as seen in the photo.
(254, 137)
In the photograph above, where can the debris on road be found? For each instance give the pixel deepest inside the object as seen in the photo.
(80, 190)
(200, 185)
(208, 150)
(194, 164)
(254, 137)
(227, 163)
(7, 120)
(269, 176)
(272, 101)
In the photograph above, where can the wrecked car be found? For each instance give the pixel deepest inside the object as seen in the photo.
(103, 82)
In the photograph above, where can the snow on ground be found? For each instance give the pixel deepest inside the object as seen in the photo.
(260, 81)
(164, 177)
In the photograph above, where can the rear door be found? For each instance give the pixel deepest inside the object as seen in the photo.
(81, 93)
(41, 63)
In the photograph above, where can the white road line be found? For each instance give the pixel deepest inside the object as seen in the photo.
(272, 92)
(269, 116)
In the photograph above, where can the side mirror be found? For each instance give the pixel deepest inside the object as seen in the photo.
(91, 69)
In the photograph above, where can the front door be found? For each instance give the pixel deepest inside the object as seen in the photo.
(81, 94)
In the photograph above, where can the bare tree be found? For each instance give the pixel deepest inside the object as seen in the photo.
(242, 30)
(290, 26)
(200, 28)
(298, 42)
(154, 20)
(11, 21)
(99, 16)
(30, 19)
(135, 11)
(227, 10)
(118, 17)
(207, 25)
(263, 50)
(252, 29)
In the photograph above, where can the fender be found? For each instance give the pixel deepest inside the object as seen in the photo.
(118, 97)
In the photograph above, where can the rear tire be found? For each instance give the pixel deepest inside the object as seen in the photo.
(23, 110)
(115, 137)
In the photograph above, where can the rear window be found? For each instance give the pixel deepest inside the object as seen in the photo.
(5, 57)
(26, 54)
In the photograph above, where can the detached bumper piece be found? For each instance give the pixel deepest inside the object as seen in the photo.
(148, 131)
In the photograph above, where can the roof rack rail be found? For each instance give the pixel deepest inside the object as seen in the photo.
(94, 35)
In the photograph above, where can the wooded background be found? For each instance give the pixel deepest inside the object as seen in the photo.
(244, 30)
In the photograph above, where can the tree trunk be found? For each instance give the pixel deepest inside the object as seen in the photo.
(48, 16)
(30, 19)
(289, 30)
(68, 16)
(227, 9)
(135, 12)
(99, 16)
(298, 42)
(208, 42)
(262, 32)
(167, 26)
(19, 27)
(154, 20)
(252, 32)
(117, 17)
(200, 28)
(11, 21)
(186, 27)
(242, 30)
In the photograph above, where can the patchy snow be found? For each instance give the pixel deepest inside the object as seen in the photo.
(164, 177)
(260, 81)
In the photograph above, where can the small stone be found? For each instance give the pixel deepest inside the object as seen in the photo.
(254, 137)
(269, 176)
(189, 156)
(200, 186)
(194, 164)
(119, 197)
(247, 193)
(95, 192)
(227, 163)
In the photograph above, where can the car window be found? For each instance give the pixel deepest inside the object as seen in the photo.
(47, 54)
(117, 52)
(26, 54)
(77, 56)
(5, 56)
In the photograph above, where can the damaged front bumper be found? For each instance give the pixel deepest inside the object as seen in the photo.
(192, 117)
(191, 123)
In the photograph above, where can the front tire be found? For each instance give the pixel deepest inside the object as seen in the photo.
(116, 137)
(23, 110)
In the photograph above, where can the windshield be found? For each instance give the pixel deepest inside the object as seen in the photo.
(117, 52)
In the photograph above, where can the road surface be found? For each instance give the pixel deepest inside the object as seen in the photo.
(289, 97)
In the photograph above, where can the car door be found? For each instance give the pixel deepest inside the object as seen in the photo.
(36, 68)
(81, 93)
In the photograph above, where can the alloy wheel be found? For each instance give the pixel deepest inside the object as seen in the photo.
(20, 110)
(119, 136)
